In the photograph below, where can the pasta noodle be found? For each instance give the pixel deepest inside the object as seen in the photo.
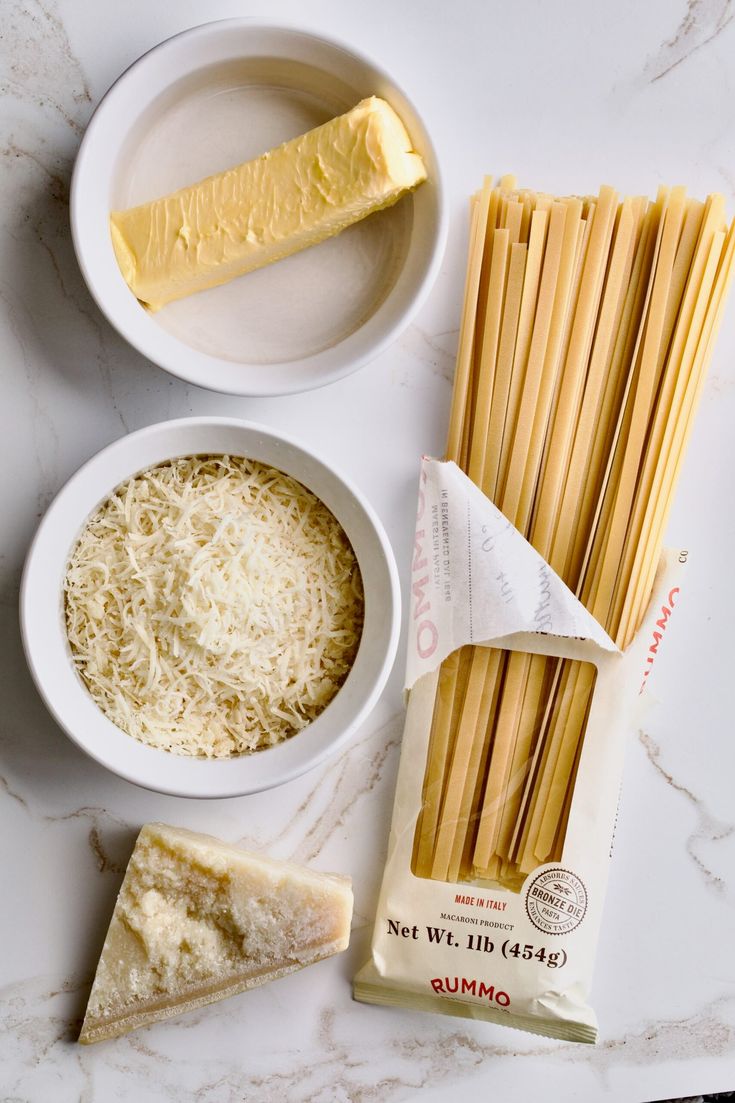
(586, 331)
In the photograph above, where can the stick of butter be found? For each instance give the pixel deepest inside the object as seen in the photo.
(297, 195)
(197, 920)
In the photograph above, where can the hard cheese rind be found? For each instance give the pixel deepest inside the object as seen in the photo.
(297, 195)
(197, 920)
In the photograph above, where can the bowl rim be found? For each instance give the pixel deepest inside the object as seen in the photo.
(173, 354)
(33, 628)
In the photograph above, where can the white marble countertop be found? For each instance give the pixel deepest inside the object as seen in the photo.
(567, 96)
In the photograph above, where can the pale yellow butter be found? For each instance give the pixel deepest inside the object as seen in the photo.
(297, 195)
(197, 920)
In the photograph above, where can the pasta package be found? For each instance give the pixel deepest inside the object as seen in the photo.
(540, 594)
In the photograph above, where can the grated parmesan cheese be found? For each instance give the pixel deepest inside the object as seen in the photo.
(213, 606)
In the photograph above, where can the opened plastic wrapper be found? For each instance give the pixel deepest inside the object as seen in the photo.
(520, 954)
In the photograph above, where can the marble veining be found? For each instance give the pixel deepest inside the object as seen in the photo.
(709, 828)
(334, 792)
(41, 1017)
(703, 22)
(434, 351)
(35, 31)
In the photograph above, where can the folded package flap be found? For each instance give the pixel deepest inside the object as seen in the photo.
(475, 579)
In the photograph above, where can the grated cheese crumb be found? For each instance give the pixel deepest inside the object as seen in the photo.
(214, 606)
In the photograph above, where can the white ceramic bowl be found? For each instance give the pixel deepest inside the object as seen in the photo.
(47, 649)
(214, 96)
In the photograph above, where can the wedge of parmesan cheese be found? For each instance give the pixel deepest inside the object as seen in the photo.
(197, 920)
(297, 195)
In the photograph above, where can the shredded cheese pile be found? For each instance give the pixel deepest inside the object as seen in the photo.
(214, 606)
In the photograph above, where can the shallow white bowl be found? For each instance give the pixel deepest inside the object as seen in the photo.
(212, 97)
(47, 649)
